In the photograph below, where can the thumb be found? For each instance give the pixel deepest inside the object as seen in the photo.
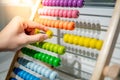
(37, 37)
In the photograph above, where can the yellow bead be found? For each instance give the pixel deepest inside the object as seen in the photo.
(80, 41)
(76, 40)
(70, 39)
(99, 44)
(65, 38)
(86, 42)
(93, 43)
(49, 33)
(37, 31)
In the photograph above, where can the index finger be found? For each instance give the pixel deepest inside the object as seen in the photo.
(32, 24)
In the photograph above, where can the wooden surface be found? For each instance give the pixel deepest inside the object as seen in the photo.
(109, 44)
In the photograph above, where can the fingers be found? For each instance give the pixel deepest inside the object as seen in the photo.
(36, 37)
(31, 24)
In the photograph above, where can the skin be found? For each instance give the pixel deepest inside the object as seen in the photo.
(14, 36)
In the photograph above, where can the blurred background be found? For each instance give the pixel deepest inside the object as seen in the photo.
(9, 9)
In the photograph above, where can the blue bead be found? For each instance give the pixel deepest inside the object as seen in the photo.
(24, 75)
(27, 76)
(12, 79)
(53, 75)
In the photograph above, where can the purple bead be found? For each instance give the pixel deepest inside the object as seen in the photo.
(57, 2)
(50, 2)
(61, 2)
(74, 4)
(66, 3)
(80, 3)
(70, 3)
(53, 2)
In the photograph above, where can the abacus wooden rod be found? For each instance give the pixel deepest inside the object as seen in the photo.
(109, 44)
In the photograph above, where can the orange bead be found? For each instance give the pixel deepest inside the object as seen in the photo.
(71, 26)
(65, 25)
(52, 23)
(42, 21)
(57, 24)
(45, 22)
(61, 24)
(49, 23)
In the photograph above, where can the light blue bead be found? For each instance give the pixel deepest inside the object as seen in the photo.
(43, 71)
(47, 73)
(53, 75)
(39, 69)
(36, 67)
(28, 65)
(32, 66)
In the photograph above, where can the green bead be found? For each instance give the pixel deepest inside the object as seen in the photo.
(47, 58)
(43, 56)
(56, 62)
(35, 56)
(51, 60)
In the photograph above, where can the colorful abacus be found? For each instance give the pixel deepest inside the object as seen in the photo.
(59, 13)
(64, 3)
(54, 61)
(46, 72)
(25, 75)
(83, 41)
(56, 24)
(51, 47)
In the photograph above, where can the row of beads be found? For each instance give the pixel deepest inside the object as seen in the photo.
(12, 78)
(25, 75)
(56, 23)
(54, 61)
(59, 13)
(63, 3)
(52, 75)
(83, 41)
(51, 47)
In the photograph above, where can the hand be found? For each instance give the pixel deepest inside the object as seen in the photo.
(13, 36)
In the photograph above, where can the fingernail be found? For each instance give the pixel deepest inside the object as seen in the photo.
(45, 36)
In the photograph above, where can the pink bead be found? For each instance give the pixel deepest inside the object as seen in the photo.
(57, 12)
(75, 13)
(48, 12)
(45, 11)
(52, 12)
(69, 14)
(65, 13)
(61, 13)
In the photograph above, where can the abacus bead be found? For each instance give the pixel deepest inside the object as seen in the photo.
(69, 14)
(65, 13)
(61, 3)
(99, 44)
(65, 3)
(12, 79)
(93, 43)
(55, 49)
(74, 3)
(43, 71)
(61, 50)
(56, 62)
(80, 3)
(53, 75)
(70, 3)
(61, 13)
(39, 69)
(47, 73)
(57, 2)
(65, 38)
(35, 67)
(71, 26)
(53, 2)
(50, 2)
(47, 58)
(75, 13)
(86, 42)
(52, 47)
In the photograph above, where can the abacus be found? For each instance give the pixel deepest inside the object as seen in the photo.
(76, 42)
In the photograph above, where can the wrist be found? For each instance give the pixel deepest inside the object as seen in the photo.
(3, 42)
